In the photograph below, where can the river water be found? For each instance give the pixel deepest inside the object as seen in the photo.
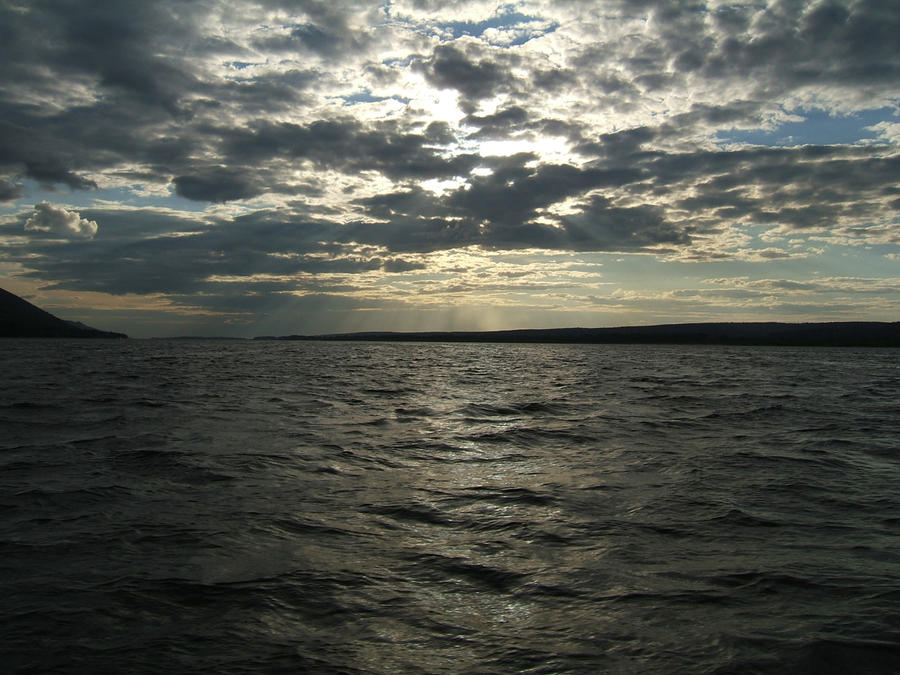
(241, 506)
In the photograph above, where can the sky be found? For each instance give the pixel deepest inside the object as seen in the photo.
(248, 168)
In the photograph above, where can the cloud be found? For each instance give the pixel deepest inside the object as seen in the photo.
(325, 145)
(474, 78)
(322, 28)
(216, 184)
(58, 221)
(601, 226)
(498, 124)
(888, 131)
(9, 190)
(860, 285)
(396, 265)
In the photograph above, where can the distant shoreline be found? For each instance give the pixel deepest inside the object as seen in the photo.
(832, 334)
(20, 319)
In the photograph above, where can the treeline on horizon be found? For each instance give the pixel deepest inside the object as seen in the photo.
(834, 334)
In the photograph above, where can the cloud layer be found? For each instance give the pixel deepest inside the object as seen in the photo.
(227, 156)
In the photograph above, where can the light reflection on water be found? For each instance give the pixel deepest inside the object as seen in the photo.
(448, 508)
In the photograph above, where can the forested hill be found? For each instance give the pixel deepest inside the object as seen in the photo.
(19, 318)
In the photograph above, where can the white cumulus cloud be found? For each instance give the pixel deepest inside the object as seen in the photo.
(59, 221)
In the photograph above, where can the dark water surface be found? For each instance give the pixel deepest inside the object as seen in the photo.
(447, 508)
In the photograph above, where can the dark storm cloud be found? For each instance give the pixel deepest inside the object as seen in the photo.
(498, 210)
(619, 144)
(552, 79)
(347, 145)
(571, 130)
(115, 261)
(53, 149)
(800, 188)
(406, 203)
(31, 150)
(216, 184)
(811, 186)
(513, 193)
(787, 45)
(123, 44)
(499, 124)
(154, 102)
(767, 50)
(602, 226)
(10, 190)
(719, 115)
(183, 254)
(265, 93)
(127, 49)
(396, 265)
(495, 211)
(474, 76)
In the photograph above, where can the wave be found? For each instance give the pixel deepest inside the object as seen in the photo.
(477, 411)
(440, 568)
(374, 508)
(512, 495)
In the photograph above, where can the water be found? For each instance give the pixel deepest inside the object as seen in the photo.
(243, 507)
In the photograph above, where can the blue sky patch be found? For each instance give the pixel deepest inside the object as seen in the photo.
(507, 19)
(367, 97)
(817, 128)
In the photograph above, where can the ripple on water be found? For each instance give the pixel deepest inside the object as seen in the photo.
(339, 507)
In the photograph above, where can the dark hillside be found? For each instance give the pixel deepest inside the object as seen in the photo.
(19, 318)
